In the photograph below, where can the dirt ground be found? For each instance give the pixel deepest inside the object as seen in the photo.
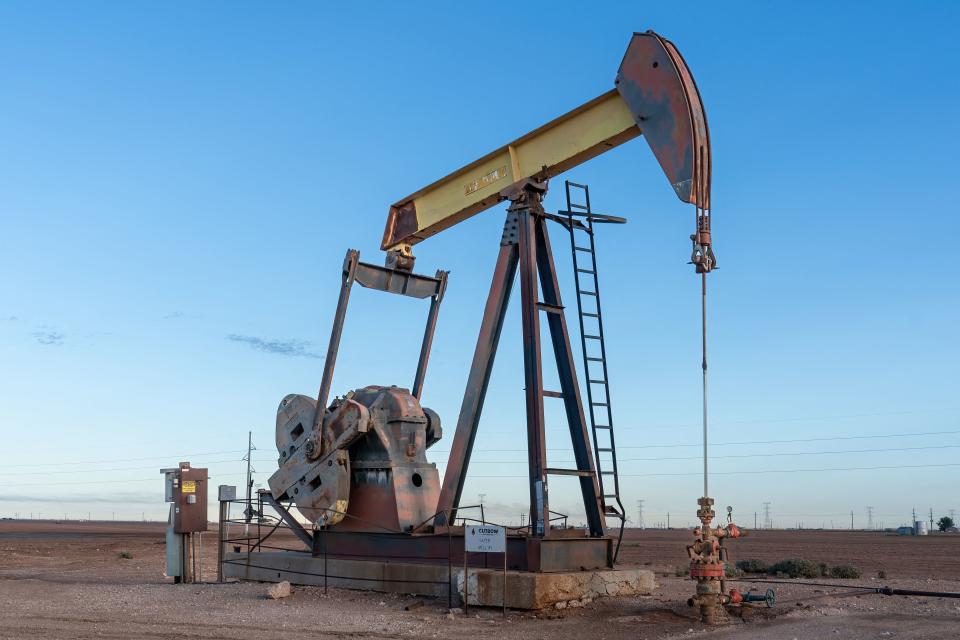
(68, 580)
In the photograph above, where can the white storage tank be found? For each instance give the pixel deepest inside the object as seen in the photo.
(920, 528)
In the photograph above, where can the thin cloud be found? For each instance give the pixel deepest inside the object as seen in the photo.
(48, 337)
(174, 315)
(289, 348)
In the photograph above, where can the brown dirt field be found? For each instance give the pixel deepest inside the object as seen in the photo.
(66, 580)
(933, 556)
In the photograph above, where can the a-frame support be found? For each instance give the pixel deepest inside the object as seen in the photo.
(526, 245)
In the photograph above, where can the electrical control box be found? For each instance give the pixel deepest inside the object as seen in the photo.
(189, 499)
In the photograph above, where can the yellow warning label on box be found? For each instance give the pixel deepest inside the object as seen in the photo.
(189, 486)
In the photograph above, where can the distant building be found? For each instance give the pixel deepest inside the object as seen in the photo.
(905, 531)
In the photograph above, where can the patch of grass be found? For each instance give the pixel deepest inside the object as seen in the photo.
(882, 574)
(125, 555)
(824, 569)
(847, 571)
(752, 566)
(731, 571)
(795, 568)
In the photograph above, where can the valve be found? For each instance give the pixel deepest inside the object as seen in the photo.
(737, 597)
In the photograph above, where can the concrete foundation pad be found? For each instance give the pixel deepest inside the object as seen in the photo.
(525, 590)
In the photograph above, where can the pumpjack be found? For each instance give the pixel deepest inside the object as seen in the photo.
(357, 466)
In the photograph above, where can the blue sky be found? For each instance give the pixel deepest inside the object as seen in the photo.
(174, 175)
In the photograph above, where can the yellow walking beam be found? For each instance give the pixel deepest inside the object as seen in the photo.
(655, 95)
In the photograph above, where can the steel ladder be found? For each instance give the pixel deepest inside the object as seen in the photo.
(584, 250)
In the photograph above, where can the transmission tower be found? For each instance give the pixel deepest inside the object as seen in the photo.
(640, 514)
(767, 522)
(870, 518)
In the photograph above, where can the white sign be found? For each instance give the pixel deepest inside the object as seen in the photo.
(486, 538)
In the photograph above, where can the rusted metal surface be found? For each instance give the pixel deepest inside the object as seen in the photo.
(292, 523)
(189, 499)
(333, 348)
(524, 553)
(655, 95)
(708, 562)
(371, 472)
(569, 386)
(491, 325)
(360, 462)
(435, 299)
(525, 241)
(532, 365)
(659, 89)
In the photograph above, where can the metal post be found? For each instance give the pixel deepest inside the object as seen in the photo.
(466, 581)
(428, 332)
(533, 367)
(221, 535)
(349, 269)
(494, 312)
(200, 557)
(449, 569)
(504, 578)
(569, 387)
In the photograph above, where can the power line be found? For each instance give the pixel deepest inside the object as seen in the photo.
(180, 456)
(742, 455)
(745, 442)
(761, 471)
(441, 462)
(658, 446)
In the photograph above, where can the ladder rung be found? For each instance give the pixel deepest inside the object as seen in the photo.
(585, 270)
(592, 337)
(610, 495)
(604, 449)
(602, 426)
(567, 472)
(592, 359)
(597, 381)
(600, 404)
(580, 206)
(549, 308)
(587, 249)
(590, 315)
(553, 394)
(608, 473)
(586, 293)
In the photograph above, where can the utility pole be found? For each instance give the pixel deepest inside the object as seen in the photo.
(668, 519)
(640, 514)
(870, 518)
(931, 519)
(754, 519)
(523, 518)
(483, 518)
(913, 523)
(248, 513)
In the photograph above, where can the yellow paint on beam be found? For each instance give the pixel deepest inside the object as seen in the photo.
(557, 146)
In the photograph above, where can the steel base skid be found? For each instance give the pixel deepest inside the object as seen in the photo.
(565, 550)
